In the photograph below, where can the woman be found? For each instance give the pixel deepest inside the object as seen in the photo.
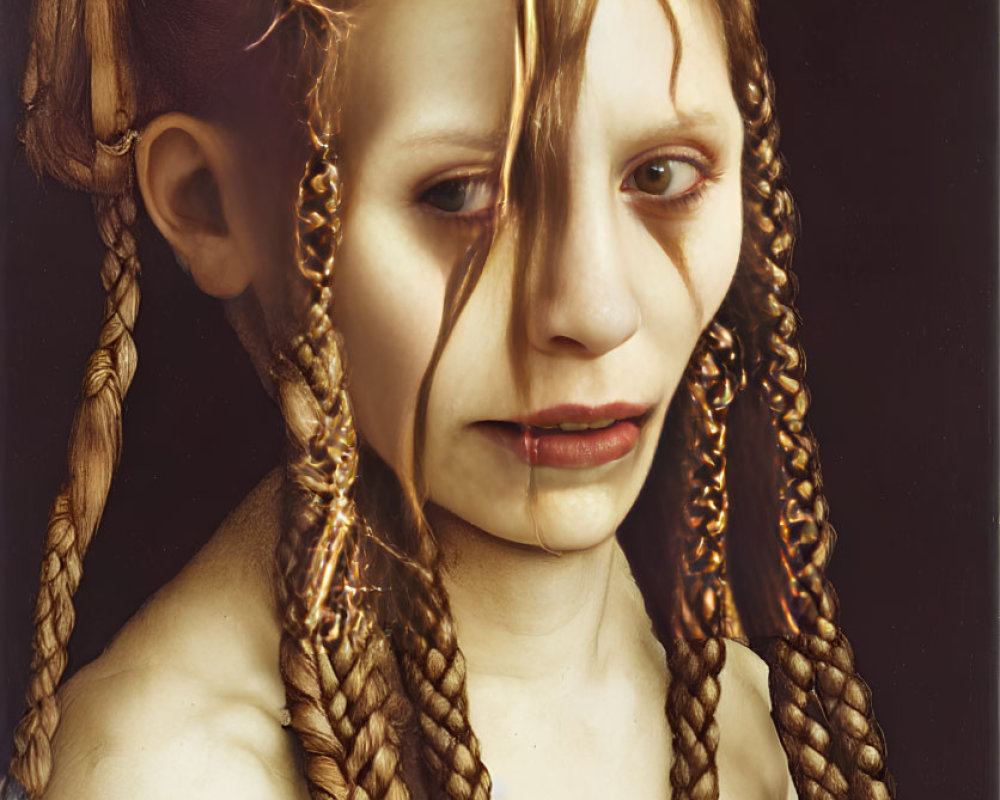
(542, 212)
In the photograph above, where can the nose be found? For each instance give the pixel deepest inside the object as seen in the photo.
(582, 301)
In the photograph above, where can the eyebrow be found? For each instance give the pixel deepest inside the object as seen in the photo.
(684, 122)
(459, 137)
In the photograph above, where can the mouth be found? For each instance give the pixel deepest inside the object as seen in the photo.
(570, 436)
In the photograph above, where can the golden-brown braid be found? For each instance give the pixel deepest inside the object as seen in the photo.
(436, 684)
(94, 449)
(434, 671)
(847, 704)
(347, 695)
(692, 700)
(335, 661)
(343, 704)
(704, 606)
(713, 378)
(374, 714)
(807, 537)
(806, 740)
(331, 698)
(83, 140)
(807, 540)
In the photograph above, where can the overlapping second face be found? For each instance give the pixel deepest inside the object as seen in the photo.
(648, 246)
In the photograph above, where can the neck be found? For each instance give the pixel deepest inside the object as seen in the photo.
(526, 614)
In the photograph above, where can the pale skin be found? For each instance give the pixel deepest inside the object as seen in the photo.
(567, 682)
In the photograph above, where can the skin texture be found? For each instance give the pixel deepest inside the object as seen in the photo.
(187, 700)
(613, 316)
(566, 680)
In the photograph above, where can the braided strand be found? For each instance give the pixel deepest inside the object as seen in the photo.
(94, 451)
(705, 606)
(692, 700)
(806, 536)
(434, 671)
(335, 661)
(74, 154)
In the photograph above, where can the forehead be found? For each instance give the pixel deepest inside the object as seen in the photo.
(430, 65)
(631, 51)
(421, 69)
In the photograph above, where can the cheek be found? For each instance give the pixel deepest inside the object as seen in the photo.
(713, 249)
(387, 308)
(685, 269)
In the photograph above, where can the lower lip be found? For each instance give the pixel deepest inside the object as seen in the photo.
(566, 449)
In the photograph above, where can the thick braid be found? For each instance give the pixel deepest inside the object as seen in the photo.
(341, 703)
(705, 607)
(847, 703)
(335, 660)
(811, 753)
(347, 715)
(340, 685)
(807, 537)
(692, 700)
(434, 670)
(330, 698)
(94, 450)
(800, 728)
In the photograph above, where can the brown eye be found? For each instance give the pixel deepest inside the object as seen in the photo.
(664, 177)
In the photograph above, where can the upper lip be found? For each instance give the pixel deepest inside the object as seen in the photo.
(581, 414)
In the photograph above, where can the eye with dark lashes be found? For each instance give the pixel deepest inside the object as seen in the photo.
(668, 180)
(461, 197)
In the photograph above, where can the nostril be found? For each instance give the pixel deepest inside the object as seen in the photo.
(567, 343)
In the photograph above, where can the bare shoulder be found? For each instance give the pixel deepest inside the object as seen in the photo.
(157, 733)
(187, 700)
(749, 744)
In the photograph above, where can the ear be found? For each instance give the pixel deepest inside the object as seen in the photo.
(194, 190)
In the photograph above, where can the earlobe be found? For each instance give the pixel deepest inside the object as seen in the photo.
(190, 182)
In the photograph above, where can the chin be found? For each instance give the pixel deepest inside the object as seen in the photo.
(578, 518)
(550, 508)
(559, 519)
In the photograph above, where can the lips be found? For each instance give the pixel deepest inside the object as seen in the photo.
(570, 436)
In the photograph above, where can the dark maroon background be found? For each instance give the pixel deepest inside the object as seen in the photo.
(889, 113)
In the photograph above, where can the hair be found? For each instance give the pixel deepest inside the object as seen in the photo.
(730, 536)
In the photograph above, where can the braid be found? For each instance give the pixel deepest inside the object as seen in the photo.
(847, 704)
(335, 660)
(342, 705)
(435, 674)
(712, 381)
(347, 715)
(692, 700)
(94, 450)
(704, 604)
(820, 661)
(802, 734)
(807, 538)
(84, 141)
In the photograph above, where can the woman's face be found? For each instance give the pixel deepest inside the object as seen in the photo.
(650, 244)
